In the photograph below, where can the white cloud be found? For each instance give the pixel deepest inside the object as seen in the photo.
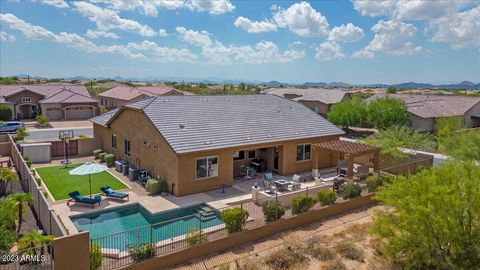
(328, 51)
(147, 7)
(460, 29)
(374, 8)
(164, 54)
(6, 37)
(255, 26)
(55, 3)
(216, 52)
(302, 19)
(199, 38)
(94, 34)
(107, 19)
(346, 33)
(161, 54)
(391, 38)
(363, 54)
(211, 6)
(425, 10)
(162, 33)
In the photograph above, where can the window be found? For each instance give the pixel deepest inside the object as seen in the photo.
(239, 155)
(252, 153)
(26, 99)
(206, 167)
(304, 152)
(114, 141)
(127, 148)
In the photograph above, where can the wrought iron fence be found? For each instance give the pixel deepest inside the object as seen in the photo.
(35, 258)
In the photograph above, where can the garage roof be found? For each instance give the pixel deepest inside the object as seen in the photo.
(68, 96)
(198, 123)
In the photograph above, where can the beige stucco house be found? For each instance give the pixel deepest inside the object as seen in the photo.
(317, 99)
(56, 101)
(199, 143)
(425, 109)
(123, 94)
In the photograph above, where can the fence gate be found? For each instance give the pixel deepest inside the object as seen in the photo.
(58, 148)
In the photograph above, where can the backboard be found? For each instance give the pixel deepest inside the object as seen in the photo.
(65, 134)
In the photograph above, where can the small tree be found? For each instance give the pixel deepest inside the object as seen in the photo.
(351, 190)
(5, 113)
(234, 218)
(348, 113)
(392, 89)
(446, 126)
(19, 200)
(273, 211)
(20, 134)
(6, 176)
(433, 221)
(302, 203)
(387, 112)
(462, 145)
(32, 243)
(96, 257)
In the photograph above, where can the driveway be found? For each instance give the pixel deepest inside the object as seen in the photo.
(71, 123)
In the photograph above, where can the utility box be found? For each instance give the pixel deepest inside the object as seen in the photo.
(37, 152)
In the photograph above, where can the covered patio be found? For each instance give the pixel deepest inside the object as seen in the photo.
(347, 151)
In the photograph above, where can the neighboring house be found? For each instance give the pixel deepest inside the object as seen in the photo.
(199, 143)
(56, 101)
(318, 100)
(424, 109)
(120, 95)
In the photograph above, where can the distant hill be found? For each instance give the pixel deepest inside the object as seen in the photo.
(213, 80)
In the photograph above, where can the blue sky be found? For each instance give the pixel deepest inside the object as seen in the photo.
(288, 41)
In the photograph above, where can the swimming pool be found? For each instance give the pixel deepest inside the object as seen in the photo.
(130, 225)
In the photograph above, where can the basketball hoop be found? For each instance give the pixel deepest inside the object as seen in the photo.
(65, 136)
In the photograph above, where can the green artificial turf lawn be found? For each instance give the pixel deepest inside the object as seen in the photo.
(60, 183)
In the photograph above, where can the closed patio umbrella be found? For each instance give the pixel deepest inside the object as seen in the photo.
(88, 168)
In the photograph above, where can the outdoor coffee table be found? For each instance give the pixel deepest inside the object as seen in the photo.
(282, 184)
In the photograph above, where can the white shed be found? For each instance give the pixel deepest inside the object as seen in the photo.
(37, 152)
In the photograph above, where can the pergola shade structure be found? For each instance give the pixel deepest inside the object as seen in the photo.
(350, 150)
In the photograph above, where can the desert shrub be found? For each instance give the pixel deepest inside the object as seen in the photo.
(83, 136)
(273, 211)
(5, 112)
(349, 251)
(302, 204)
(225, 266)
(97, 152)
(321, 252)
(251, 263)
(42, 120)
(195, 236)
(38, 180)
(96, 257)
(285, 258)
(101, 156)
(373, 182)
(156, 186)
(351, 190)
(109, 159)
(20, 134)
(27, 161)
(336, 264)
(234, 218)
(141, 252)
(326, 196)
(45, 194)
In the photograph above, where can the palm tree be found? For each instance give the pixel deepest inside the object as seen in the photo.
(31, 241)
(19, 200)
(6, 176)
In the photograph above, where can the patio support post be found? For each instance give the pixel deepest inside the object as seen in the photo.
(376, 161)
(350, 166)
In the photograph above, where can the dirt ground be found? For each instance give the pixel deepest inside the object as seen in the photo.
(307, 244)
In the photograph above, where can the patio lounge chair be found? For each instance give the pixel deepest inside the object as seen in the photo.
(79, 198)
(269, 179)
(109, 192)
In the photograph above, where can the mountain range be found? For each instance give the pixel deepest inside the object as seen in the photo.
(212, 80)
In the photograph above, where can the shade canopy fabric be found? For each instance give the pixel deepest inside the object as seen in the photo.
(88, 168)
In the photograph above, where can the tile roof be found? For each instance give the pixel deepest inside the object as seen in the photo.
(125, 92)
(431, 106)
(198, 123)
(103, 118)
(326, 96)
(68, 96)
(42, 89)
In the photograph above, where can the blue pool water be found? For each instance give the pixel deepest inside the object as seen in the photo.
(130, 225)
